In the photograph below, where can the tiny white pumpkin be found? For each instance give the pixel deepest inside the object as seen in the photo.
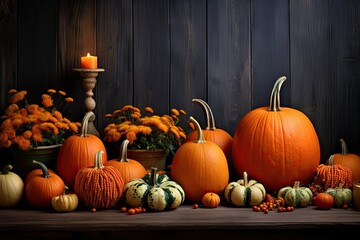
(245, 193)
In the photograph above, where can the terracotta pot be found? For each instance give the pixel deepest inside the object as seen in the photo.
(148, 158)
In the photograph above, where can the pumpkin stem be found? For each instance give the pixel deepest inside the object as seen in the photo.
(98, 160)
(344, 149)
(245, 178)
(65, 188)
(153, 176)
(209, 115)
(340, 186)
(296, 185)
(200, 138)
(85, 123)
(123, 151)
(7, 169)
(44, 169)
(275, 95)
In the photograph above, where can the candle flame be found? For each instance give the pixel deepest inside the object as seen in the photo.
(88, 54)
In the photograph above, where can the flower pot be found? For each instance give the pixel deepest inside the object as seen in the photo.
(148, 158)
(23, 160)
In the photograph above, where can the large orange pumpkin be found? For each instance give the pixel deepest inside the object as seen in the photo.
(216, 135)
(200, 167)
(346, 159)
(78, 151)
(277, 146)
(130, 169)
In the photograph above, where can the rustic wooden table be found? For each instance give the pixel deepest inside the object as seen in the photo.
(182, 223)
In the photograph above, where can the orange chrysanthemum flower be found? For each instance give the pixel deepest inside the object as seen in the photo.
(69, 99)
(22, 116)
(51, 91)
(46, 101)
(145, 132)
(18, 96)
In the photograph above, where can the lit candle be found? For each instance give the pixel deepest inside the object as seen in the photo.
(89, 62)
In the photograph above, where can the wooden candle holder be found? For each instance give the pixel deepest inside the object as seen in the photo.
(89, 82)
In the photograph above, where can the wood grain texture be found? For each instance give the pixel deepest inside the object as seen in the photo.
(346, 74)
(76, 38)
(229, 62)
(311, 78)
(36, 70)
(188, 56)
(115, 48)
(270, 48)
(184, 222)
(151, 54)
(163, 53)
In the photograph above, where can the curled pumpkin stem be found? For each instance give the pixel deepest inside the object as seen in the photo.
(210, 120)
(44, 169)
(200, 138)
(275, 95)
(123, 151)
(85, 123)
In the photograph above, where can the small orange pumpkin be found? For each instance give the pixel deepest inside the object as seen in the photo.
(211, 200)
(346, 159)
(130, 169)
(324, 201)
(78, 151)
(99, 186)
(199, 167)
(39, 190)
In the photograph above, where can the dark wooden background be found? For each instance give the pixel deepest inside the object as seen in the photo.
(163, 53)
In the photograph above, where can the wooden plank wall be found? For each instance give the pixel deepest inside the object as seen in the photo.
(163, 53)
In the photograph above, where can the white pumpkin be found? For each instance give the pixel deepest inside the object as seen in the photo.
(244, 193)
(11, 187)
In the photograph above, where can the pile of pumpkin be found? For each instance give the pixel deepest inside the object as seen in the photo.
(277, 146)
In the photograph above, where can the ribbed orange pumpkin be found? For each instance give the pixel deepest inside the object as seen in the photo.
(129, 168)
(277, 146)
(216, 135)
(346, 159)
(99, 186)
(199, 167)
(39, 190)
(78, 151)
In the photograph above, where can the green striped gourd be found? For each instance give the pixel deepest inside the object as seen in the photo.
(155, 191)
(341, 195)
(296, 196)
(244, 193)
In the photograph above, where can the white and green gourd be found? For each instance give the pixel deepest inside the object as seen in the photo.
(244, 193)
(155, 191)
(296, 196)
(341, 195)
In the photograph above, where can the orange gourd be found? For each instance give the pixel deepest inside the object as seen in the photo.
(346, 159)
(99, 186)
(130, 169)
(199, 167)
(277, 146)
(39, 190)
(78, 151)
(216, 135)
(211, 200)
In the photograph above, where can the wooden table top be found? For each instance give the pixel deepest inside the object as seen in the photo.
(183, 220)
